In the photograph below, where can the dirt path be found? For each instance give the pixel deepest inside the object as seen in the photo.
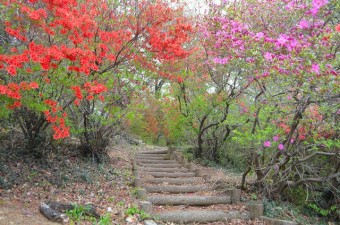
(18, 214)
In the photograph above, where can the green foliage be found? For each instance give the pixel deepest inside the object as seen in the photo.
(137, 124)
(289, 211)
(79, 214)
(177, 126)
(331, 144)
(254, 197)
(120, 203)
(297, 195)
(245, 136)
(104, 220)
(188, 153)
(322, 212)
(4, 112)
(131, 211)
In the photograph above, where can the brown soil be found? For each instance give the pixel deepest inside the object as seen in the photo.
(18, 213)
(25, 182)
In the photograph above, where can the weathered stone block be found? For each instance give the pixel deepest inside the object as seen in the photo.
(255, 209)
(145, 206)
(141, 194)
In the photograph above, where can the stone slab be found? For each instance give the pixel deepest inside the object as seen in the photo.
(200, 216)
(193, 200)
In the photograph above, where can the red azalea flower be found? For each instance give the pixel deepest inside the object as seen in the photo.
(337, 28)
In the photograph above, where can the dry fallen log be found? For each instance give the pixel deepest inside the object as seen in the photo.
(58, 206)
(52, 214)
(55, 211)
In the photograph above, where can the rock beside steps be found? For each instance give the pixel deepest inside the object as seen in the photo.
(172, 190)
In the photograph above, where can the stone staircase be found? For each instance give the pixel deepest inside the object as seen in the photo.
(172, 190)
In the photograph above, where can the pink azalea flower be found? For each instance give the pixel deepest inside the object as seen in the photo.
(268, 56)
(316, 68)
(276, 138)
(303, 24)
(282, 40)
(292, 141)
(281, 146)
(267, 144)
(317, 4)
(290, 5)
(292, 45)
(259, 35)
(265, 74)
(221, 60)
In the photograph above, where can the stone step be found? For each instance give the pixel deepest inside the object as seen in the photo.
(157, 165)
(176, 189)
(162, 174)
(152, 155)
(154, 152)
(193, 200)
(151, 158)
(185, 180)
(166, 170)
(157, 161)
(178, 180)
(200, 216)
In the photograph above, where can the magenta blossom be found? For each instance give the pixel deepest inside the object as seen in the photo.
(268, 56)
(220, 60)
(316, 68)
(276, 138)
(281, 146)
(317, 4)
(259, 35)
(282, 40)
(303, 24)
(267, 144)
